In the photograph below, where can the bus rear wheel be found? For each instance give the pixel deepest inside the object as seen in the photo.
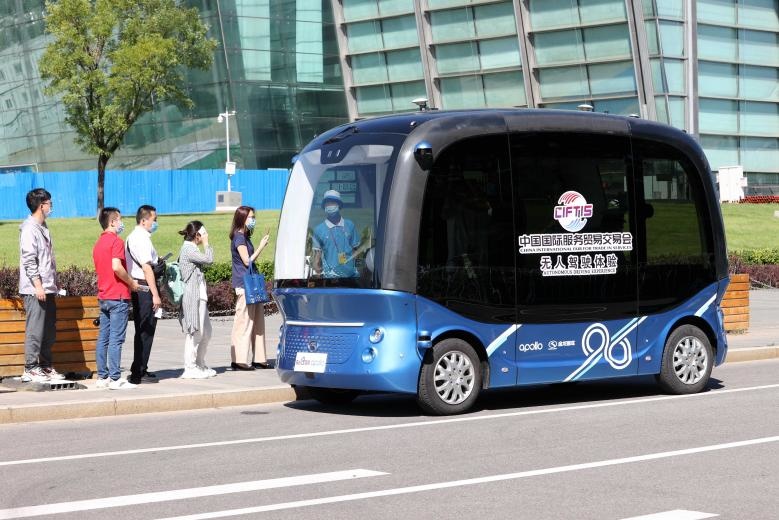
(687, 361)
(332, 396)
(450, 379)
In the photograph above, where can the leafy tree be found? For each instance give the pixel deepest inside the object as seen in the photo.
(112, 60)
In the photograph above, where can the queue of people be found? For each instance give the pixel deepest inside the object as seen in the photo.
(128, 276)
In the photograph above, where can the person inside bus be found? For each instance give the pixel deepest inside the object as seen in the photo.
(336, 242)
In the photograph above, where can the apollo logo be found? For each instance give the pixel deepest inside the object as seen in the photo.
(572, 211)
(527, 347)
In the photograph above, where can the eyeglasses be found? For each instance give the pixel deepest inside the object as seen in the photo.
(50, 203)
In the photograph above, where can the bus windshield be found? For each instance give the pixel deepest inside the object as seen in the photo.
(329, 220)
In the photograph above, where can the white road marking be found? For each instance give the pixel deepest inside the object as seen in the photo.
(472, 481)
(676, 514)
(415, 424)
(179, 494)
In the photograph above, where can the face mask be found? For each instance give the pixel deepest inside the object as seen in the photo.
(154, 227)
(250, 223)
(120, 228)
(331, 209)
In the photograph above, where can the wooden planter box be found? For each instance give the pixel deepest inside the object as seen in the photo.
(735, 303)
(74, 350)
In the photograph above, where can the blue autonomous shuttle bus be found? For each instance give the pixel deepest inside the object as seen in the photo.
(442, 253)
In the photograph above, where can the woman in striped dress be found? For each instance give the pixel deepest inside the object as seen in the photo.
(194, 305)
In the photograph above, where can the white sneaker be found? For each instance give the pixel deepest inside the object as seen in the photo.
(53, 374)
(121, 384)
(34, 375)
(102, 382)
(210, 372)
(194, 373)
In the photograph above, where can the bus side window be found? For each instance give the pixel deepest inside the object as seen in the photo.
(676, 257)
(573, 266)
(466, 233)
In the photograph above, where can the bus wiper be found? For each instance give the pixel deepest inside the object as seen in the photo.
(350, 130)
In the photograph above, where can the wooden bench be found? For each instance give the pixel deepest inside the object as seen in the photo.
(735, 303)
(74, 349)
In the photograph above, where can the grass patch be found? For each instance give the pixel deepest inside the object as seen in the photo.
(75, 237)
(751, 226)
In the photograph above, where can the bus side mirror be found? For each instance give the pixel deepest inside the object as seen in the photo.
(423, 153)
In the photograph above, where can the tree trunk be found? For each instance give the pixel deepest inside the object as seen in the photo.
(102, 160)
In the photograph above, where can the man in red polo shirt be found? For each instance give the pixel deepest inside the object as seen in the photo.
(113, 293)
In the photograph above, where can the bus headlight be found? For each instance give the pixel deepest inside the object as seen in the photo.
(369, 354)
(376, 336)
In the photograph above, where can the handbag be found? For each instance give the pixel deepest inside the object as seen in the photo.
(254, 286)
(158, 269)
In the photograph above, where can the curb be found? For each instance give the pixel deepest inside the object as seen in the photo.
(167, 403)
(751, 354)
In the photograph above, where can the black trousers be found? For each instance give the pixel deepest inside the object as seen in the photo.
(145, 326)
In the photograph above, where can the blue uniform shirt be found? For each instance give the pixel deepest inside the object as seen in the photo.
(337, 243)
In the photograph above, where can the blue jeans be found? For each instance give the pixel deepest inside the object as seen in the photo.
(113, 326)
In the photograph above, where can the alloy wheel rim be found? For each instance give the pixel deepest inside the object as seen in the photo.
(690, 360)
(454, 377)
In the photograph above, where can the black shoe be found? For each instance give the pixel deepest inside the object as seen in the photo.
(241, 366)
(149, 377)
(135, 380)
(261, 365)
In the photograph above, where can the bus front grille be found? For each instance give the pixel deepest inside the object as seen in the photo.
(338, 347)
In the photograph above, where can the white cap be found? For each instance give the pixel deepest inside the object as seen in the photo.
(332, 195)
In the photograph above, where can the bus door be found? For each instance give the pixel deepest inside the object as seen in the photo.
(576, 263)
(466, 253)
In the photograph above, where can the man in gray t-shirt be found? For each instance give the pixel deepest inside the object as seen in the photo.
(38, 288)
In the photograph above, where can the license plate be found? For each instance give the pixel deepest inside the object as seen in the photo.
(310, 362)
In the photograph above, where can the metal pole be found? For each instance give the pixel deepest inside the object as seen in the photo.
(227, 139)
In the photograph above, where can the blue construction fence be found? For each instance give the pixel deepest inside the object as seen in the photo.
(171, 191)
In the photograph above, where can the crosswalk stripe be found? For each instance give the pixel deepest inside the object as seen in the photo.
(179, 494)
(676, 514)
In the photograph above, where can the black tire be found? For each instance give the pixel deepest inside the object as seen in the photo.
(687, 361)
(450, 379)
(332, 396)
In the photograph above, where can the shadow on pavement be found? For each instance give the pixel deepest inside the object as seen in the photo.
(397, 405)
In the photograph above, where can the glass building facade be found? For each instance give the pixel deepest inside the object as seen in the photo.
(276, 65)
(293, 68)
(710, 67)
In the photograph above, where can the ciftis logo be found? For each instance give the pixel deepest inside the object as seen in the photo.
(573, 211)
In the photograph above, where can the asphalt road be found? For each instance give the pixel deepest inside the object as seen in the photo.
(609, 450)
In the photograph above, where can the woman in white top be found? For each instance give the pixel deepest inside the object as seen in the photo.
(194, 305)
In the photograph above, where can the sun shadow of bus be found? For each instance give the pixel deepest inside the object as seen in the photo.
(529, 397)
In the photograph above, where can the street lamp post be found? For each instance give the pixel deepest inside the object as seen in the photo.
(229, 166)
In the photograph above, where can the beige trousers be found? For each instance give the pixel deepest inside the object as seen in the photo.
(248, 337)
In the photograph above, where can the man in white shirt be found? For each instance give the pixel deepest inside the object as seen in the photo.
(141, 257)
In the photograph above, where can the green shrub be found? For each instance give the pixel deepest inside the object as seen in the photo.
(77, 281)
(223, 271)
(758, 256)
(265, 267)
(218, 272)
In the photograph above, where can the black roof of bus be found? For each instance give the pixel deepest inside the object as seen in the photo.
(523, 119)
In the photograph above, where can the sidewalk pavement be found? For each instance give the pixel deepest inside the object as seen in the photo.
(240, 388)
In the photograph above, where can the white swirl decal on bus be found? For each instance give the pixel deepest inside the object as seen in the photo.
(606, 347)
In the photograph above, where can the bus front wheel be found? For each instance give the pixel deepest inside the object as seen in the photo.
(687, 361)
(450, 379)
(332, 396)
